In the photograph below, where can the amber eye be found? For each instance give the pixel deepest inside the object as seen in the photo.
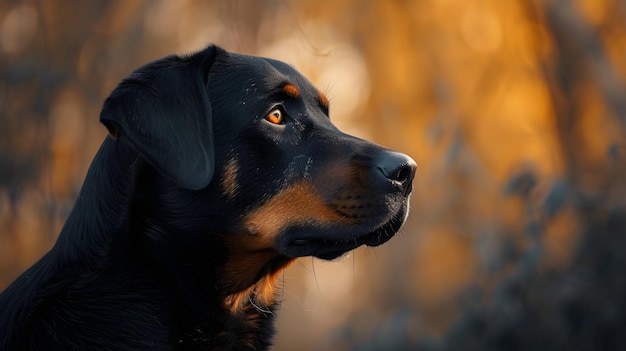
(275, 116)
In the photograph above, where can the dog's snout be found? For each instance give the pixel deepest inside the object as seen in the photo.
(397, 167)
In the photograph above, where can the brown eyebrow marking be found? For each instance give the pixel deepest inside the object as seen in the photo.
(291, 91)
(322, 99)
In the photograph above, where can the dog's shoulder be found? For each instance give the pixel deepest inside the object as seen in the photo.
(76, 308)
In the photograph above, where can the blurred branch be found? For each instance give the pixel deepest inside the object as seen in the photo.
(579, 57)
(570, 30)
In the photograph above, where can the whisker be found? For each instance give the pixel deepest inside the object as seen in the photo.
(315, 275)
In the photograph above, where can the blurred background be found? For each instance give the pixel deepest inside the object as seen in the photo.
(515, 112)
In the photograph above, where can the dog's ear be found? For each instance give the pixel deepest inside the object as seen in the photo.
(163, 110)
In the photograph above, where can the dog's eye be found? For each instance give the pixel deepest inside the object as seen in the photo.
(275, 116)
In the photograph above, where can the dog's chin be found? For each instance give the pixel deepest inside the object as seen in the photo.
(329, 243)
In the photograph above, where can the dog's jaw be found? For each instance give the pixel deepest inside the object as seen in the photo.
(330, 242)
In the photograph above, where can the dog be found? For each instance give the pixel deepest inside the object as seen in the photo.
(219, 169)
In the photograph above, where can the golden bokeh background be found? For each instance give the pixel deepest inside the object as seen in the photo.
(515, 111)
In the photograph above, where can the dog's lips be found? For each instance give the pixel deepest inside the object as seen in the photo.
(330, 243)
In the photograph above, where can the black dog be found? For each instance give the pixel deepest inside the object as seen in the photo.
(220, 169)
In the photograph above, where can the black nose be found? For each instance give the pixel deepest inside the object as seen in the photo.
(399, 168)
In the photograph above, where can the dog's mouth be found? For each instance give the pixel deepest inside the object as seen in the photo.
(328, 243)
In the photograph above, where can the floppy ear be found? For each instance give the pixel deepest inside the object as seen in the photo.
(163, 110)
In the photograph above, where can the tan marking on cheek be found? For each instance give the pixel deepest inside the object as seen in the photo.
(291, 91)
(322, 99)
(230, 186)
(294, 205)
(250, 251)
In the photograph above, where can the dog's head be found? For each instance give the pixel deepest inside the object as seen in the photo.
(250, 143)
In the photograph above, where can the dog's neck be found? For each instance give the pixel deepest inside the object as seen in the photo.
(251, 281)
(111, 173)
(197, 270)
(198, 263)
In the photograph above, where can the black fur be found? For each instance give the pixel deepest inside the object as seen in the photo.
(194, 203)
